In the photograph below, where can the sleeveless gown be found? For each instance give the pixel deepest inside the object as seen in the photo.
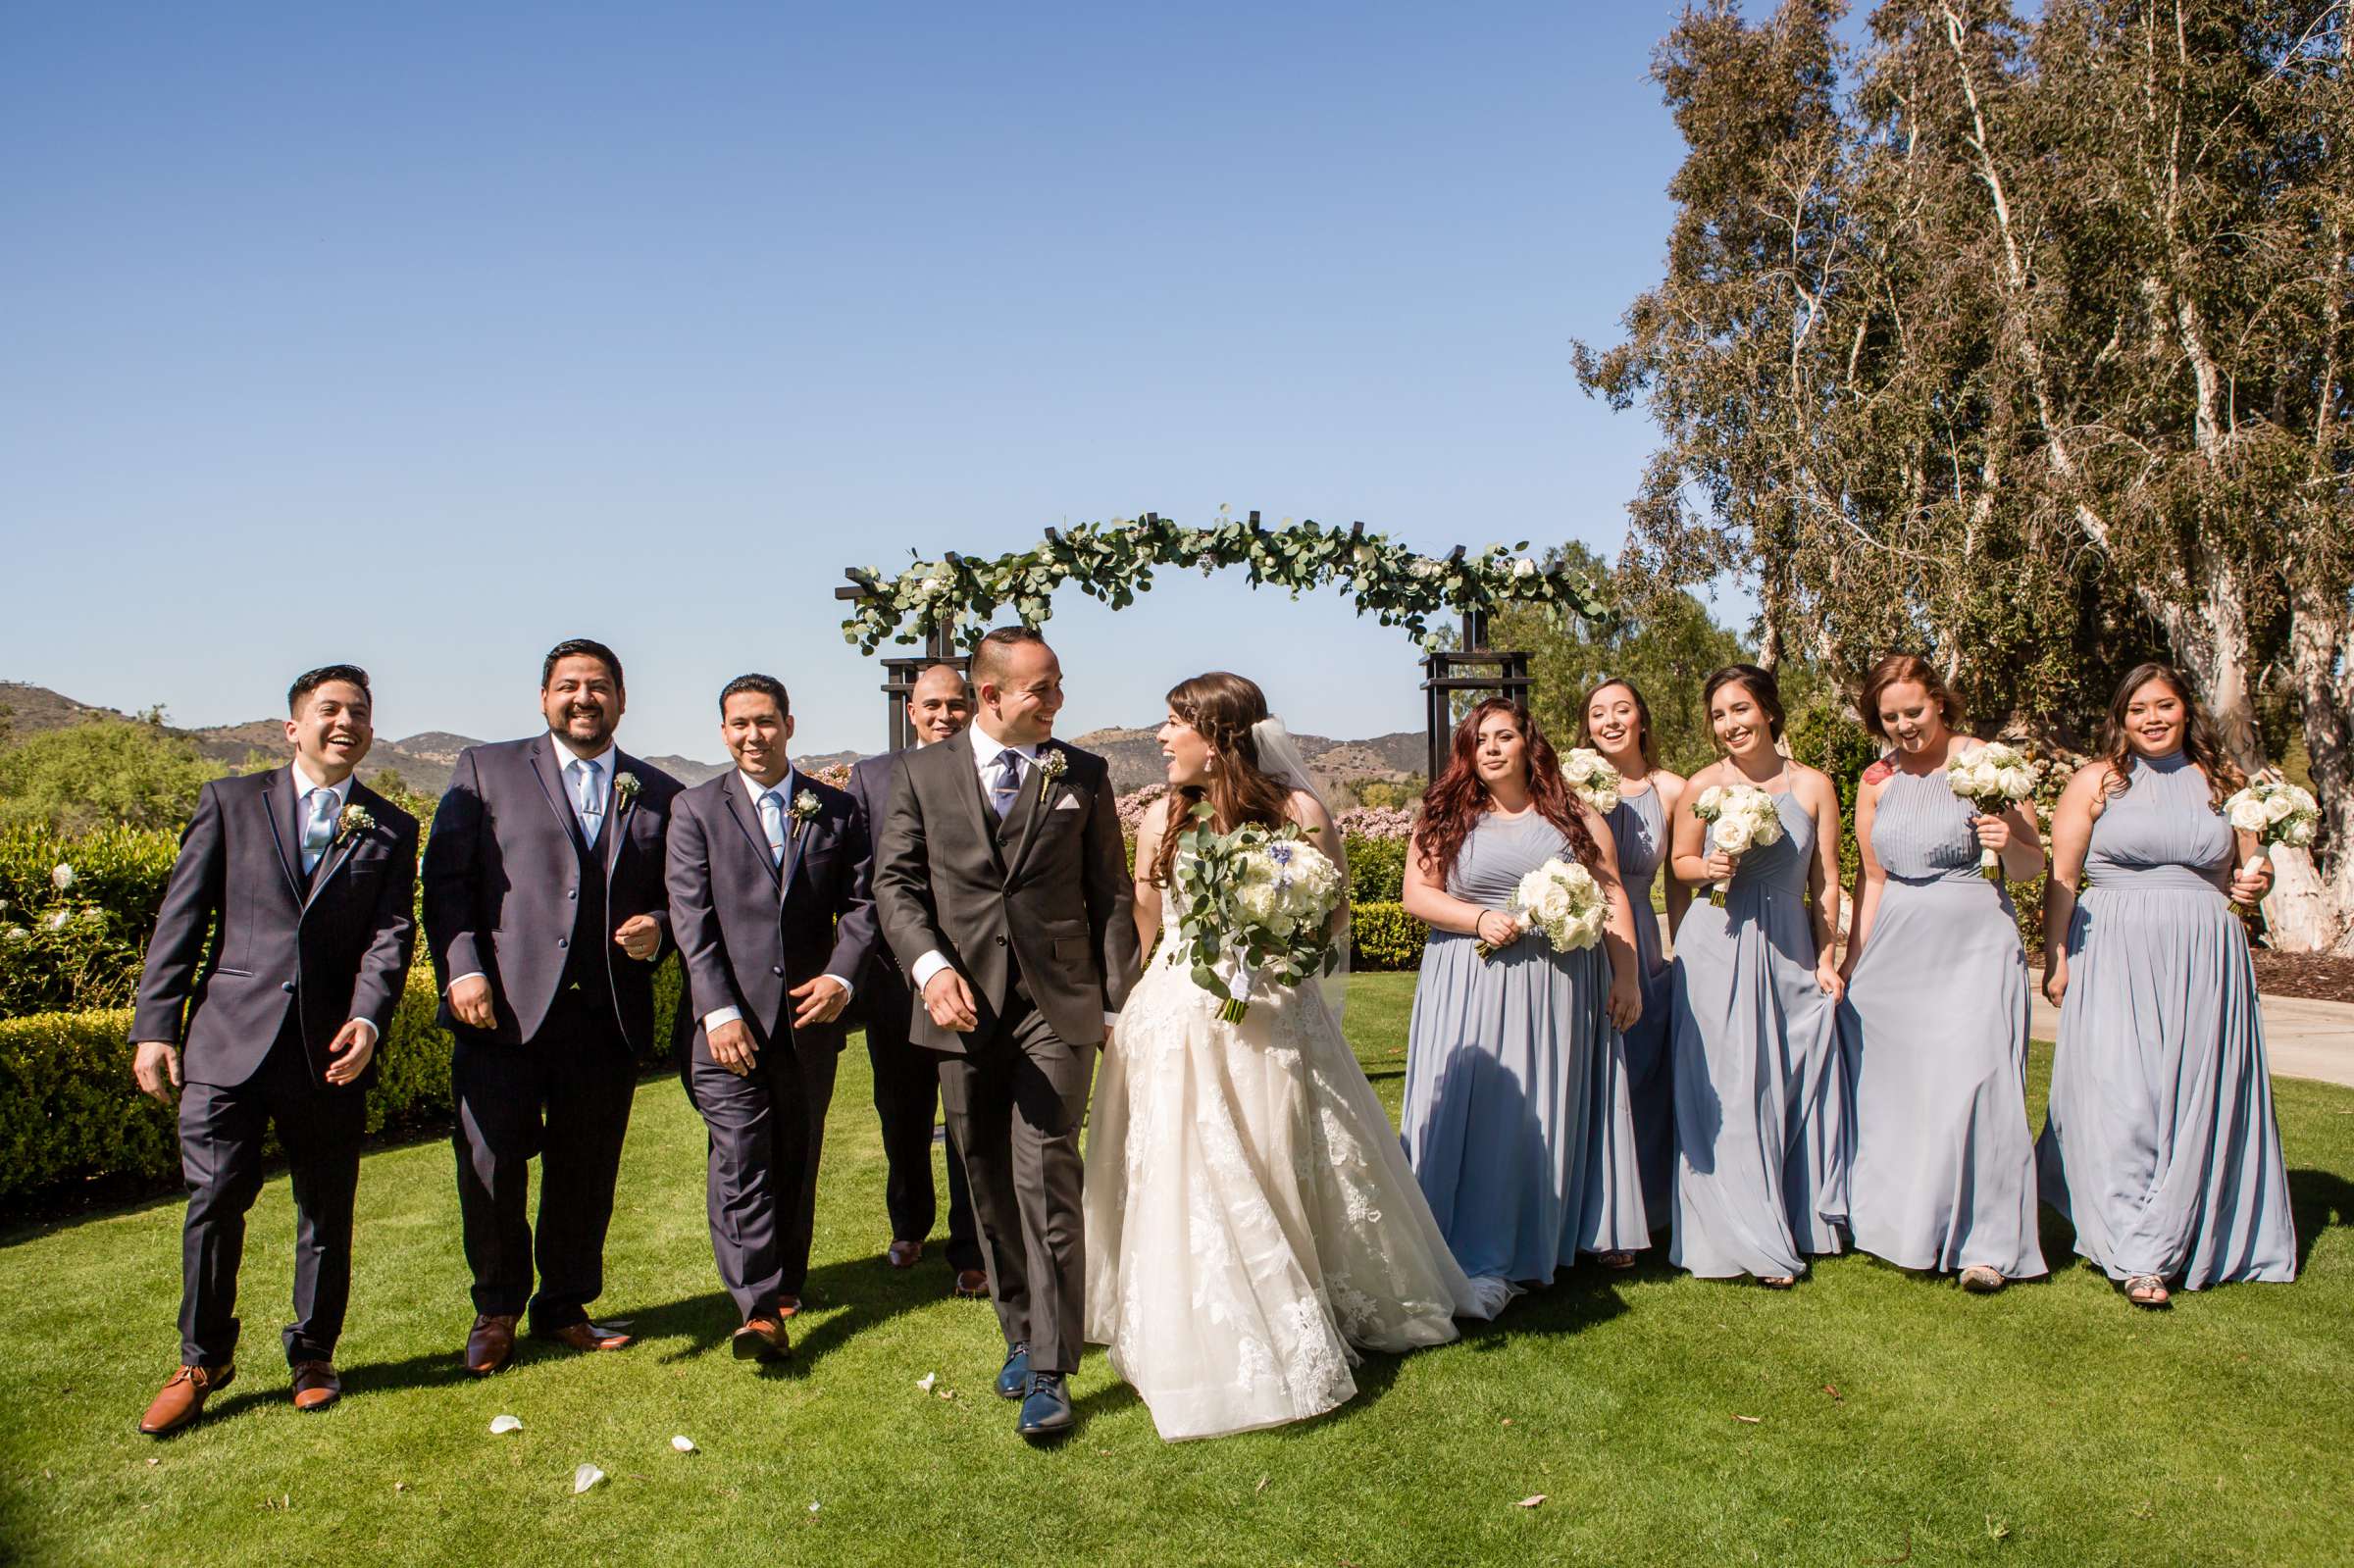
(1933, 1037)
(1251, 1222)
(2161, 1146)
(1760, 1106)
(1515, 1116)
(1640, 830)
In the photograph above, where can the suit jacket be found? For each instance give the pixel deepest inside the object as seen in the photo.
(748, 930)
(502, 883)
(883, 984)
(1050, 885)
(334, 950)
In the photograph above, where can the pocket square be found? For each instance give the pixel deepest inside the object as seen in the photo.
(1067, 803)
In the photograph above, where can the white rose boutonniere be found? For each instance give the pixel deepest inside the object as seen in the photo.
(355, 819)
(625, 786)
(803, 809)
(1052, 766)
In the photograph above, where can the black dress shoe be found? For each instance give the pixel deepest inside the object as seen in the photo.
(1013, 1378)
(1046, 1413)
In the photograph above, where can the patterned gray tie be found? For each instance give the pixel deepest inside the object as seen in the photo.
(1008, 786)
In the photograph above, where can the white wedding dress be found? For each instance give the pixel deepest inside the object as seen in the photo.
(1252, 1221)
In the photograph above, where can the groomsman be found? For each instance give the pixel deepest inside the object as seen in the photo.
(278, 960)
(908, 1080)
(544, 914)
(764, 862)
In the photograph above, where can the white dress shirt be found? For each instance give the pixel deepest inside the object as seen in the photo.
(754, 790)
(302, 783)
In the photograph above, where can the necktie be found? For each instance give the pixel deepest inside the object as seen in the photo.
(772, 823)
(320, 831)
(592, 803)
(1008, 782)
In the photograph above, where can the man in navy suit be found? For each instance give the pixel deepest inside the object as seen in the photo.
(908, 1080)
(770, 909)
(545, 913)
(299, 881)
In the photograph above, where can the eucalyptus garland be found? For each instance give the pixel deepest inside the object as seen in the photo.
(1114, 562)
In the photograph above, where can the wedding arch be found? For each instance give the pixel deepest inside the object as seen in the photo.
(948, 604)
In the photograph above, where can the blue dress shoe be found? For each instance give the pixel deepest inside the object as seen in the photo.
(1013, 1378)
(1046, 1413)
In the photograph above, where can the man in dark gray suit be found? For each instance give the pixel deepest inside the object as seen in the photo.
(1002, 887)
(545, 913)
(769, 906)
(907, 1078)
(278, 958)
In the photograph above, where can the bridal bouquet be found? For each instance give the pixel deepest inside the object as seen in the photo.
(2277, 812)
(1745, 817)
(1255, 905)
(1993, 778)
(1562, 900)
(1592, 780)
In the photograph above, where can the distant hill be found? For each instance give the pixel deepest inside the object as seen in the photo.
(424, 760)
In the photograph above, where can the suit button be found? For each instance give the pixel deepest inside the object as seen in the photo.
(1000, 941)
(572, 892)
(776, 969)
(563, 941)
(287, 988)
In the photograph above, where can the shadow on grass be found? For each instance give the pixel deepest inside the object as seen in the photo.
(839, 1301)
(2318, 1199)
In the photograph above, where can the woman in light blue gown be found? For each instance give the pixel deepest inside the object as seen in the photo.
(1760, 1109)
(1515, 1117)
(1617, 726)
(2161, 1146)
(1933, 1032)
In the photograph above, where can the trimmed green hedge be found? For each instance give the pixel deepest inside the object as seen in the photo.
(1385, 936)
(70, 1111)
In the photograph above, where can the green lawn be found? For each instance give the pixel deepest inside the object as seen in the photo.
(1889, 1415)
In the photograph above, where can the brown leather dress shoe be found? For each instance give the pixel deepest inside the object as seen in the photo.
(972, 1285)
(789, 1306)
(491, 1344)
(763, 1340)
(584, 1337)
(183, 1397)
(904, 1255)
(315, 1386)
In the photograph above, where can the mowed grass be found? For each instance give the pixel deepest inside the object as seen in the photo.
(1864, 1416)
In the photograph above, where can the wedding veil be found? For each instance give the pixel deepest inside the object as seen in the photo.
(1279, 759)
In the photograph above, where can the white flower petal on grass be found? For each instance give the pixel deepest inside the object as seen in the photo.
(925, 1381)
(1531, 1500)
(813, 1508)
(682, 1442)
(586, 1477)
(502, 1425)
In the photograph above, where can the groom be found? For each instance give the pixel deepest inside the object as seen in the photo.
(1003, 887)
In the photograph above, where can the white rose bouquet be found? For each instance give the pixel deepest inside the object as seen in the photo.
(2277, 812)
(1992, 778)
(1255, 905)
(1562, 902)
(1591, 778)
(1745, 819)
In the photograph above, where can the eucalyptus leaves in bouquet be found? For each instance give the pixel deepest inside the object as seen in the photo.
(1254, 907)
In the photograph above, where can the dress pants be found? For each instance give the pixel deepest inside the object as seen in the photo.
(1015, 1101)
(767, 1131)
(220, 1128)
(907, 1102)
(563, 1095)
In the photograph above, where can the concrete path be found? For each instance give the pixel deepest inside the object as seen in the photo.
(2303, 1039)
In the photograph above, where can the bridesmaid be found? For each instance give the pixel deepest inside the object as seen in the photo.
(1760, 1108)
(1515, 1116)
(1933, 1033)
(2160, 1146)
(1617, 725)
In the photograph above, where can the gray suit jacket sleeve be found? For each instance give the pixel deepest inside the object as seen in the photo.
(190, 899)
(1111, 899)
(694, 917)
(385, 967)
(902, 879)
(855, 931)
(450, 858)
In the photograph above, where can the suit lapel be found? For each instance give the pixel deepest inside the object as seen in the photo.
(618, 808)
(340, 849)
(965, 783)
(277, 798)
(550, 773)
(745, 815)
(1040, 797)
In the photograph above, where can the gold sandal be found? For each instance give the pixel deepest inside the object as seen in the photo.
(2147, 1290)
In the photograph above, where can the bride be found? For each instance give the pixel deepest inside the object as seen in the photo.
(1252, 1222)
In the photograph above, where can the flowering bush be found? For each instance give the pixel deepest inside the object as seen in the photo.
(76, 914)
(1375, 822)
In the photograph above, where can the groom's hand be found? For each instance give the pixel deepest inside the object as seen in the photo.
(949, 1001)
(731, 1046)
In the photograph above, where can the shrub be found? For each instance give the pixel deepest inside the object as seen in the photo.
(76, 914)
(1376, 870)
(100, 772)
(1385, 936)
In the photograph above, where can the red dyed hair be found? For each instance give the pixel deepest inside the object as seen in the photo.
(1453, 806)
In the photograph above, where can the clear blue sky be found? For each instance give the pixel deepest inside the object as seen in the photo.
(425, 335)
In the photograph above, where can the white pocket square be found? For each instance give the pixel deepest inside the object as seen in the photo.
(1067, 803)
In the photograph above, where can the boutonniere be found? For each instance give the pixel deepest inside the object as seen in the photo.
(625, 786)
(804, 810)
(355, 819)
(1052, 766)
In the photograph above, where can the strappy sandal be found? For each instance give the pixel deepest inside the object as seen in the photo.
(1778, 1282)
(1982, 1279)
(1618, 1261)
(2148, 1291)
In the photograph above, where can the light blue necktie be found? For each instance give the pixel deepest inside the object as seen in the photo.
(320, 831)
(772, 823)
(1002, 794)
(591, 805)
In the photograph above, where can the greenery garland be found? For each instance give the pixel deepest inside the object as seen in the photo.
(1114, 562)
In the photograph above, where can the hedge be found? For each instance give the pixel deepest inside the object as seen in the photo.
(1385, 936)
(70, 1111)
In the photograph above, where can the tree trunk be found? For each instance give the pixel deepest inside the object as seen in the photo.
(2311, 908)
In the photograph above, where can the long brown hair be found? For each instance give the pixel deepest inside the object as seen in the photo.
(1648, 746)
(1222, 707)
(2199, 742)
(1895, 671)
(1453, 806)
